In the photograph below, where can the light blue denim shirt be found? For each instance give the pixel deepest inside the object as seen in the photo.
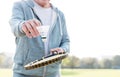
(30, 49)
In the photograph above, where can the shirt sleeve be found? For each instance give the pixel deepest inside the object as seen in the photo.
(17, 19)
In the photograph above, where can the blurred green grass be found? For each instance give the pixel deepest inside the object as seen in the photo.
(76, 73)
(66, 72)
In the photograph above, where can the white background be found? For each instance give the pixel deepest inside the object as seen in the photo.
(93, 26)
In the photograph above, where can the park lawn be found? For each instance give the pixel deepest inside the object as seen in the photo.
(76, 73)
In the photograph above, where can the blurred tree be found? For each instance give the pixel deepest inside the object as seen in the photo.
(66, 62)
(2, 59)
(116, 61)
(89, 63)
(71, 62)
(106, 63)
(92, 63)
(5, 61)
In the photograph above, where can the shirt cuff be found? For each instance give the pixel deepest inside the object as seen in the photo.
(20, 27)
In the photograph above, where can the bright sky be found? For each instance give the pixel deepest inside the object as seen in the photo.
(93, 26)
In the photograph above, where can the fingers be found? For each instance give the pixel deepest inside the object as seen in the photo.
(29, 27)
(57, 50)
(24, 28)
(32, 28)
